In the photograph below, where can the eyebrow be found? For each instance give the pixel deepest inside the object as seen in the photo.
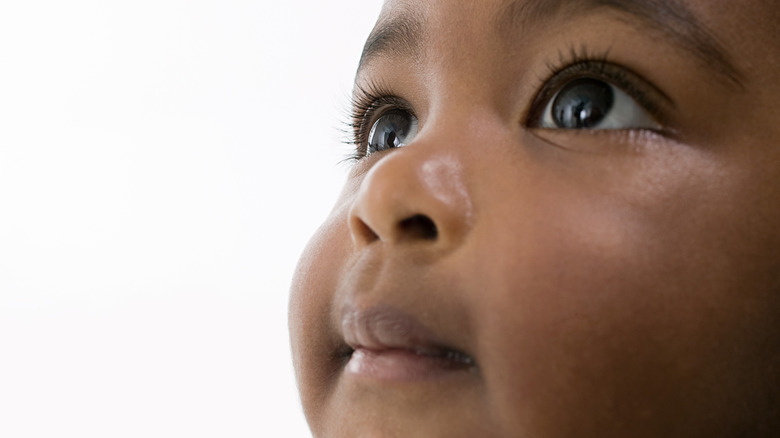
(670, 17)
(401, 35)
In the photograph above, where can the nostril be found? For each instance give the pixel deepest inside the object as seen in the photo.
(419, 227)
(361, 232)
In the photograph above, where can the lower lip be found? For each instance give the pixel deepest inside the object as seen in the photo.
(401, 365)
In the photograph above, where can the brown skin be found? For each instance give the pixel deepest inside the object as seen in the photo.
(620, 283)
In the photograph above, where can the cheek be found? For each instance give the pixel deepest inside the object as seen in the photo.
(559, 320)
(312, 290)
(609, 313)
(311, 298)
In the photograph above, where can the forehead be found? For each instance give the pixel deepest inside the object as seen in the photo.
(724, 35)
(726, 19)
(769, 9)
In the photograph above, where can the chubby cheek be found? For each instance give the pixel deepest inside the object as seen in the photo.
(311, 298)
(619, 321)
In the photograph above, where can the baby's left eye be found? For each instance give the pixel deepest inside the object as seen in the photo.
(590, 103)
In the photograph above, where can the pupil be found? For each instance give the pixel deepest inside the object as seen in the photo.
(391, 140)
(583, 103)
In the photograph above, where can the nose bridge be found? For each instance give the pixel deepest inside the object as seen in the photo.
(417, 194)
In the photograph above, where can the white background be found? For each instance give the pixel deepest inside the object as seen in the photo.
(162, 164)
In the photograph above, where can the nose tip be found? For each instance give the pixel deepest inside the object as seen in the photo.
(412, 197)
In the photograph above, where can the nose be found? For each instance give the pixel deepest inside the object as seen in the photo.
(413, 195)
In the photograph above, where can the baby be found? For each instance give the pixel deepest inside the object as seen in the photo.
(562, 220)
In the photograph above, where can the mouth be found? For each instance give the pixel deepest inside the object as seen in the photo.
(386, 344)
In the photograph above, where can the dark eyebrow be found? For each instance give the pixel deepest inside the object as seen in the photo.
(669, 17)
(401, 35)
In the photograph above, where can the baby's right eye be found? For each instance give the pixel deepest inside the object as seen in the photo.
(394, 128)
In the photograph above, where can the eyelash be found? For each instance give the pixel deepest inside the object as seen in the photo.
(580, 63)
(371, 100)
(367, 104)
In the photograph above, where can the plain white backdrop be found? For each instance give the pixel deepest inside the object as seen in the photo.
(162, 165)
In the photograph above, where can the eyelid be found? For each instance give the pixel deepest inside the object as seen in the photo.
(647, 95)
(369, 103)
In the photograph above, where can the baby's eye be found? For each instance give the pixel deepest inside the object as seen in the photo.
(589, 103)
(394, 128)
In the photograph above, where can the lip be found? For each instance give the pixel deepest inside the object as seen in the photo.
(390, 345)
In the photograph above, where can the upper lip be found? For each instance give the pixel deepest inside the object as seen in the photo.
(383, 328)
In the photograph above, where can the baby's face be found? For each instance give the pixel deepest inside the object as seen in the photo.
(563, 221)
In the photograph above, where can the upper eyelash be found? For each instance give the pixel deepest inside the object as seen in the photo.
(582, 63)
(366, 103)
(574, 57)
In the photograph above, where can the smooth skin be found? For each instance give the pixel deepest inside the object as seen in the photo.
(607, 283)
